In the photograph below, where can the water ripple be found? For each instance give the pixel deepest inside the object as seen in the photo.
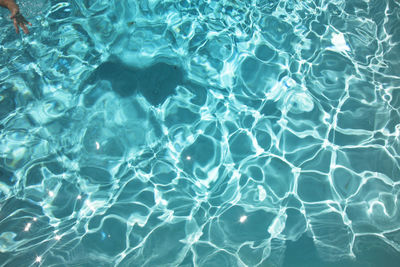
(205, 133)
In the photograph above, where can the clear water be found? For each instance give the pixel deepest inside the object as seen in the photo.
(201, 133)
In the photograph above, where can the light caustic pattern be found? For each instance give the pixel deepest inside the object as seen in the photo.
(198, 133)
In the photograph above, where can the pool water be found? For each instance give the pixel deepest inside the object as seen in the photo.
(201, 133)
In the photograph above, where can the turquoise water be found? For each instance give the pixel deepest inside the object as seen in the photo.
(201, 133)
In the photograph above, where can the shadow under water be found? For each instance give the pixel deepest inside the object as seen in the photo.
(156, 82)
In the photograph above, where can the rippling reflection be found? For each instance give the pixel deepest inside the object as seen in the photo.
(205, 133)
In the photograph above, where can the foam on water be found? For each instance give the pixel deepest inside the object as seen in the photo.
(200, 133)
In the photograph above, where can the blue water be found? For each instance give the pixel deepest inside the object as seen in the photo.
(201, 133)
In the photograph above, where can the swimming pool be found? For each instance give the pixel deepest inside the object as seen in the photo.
(201, 133)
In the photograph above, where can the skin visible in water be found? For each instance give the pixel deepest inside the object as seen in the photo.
(18, 19)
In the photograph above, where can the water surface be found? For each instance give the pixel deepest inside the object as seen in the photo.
(201, 133)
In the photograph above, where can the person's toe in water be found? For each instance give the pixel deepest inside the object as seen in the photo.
(18, 19)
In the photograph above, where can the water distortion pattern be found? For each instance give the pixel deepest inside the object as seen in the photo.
(198, 133)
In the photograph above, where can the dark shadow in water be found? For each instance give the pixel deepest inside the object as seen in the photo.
(156, 83)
